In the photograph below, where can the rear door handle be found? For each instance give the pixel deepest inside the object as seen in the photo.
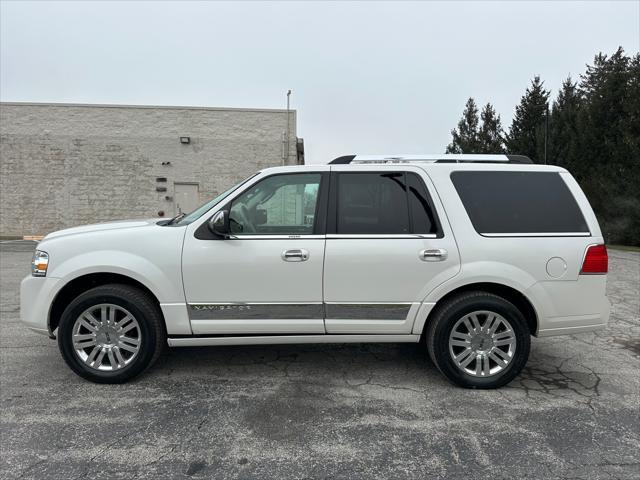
(434, 255)
(298, 255)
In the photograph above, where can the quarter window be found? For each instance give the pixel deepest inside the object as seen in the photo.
(278, 205)
(519, 202)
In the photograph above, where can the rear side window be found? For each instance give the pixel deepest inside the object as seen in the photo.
(372, 203)
(383, 203)
(519, 203)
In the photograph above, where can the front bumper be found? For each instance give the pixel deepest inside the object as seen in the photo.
(36, 296)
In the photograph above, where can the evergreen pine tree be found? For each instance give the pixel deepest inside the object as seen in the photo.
(465, 137)
(609, 141)
(564, 134)
(606, 88)
(632, 105)
(490, 135)
(526, 135)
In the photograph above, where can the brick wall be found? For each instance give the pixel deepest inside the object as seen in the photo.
(65, 165)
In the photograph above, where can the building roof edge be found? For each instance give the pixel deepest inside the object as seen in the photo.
(167, 107)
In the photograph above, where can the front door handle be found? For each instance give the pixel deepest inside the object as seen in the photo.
(434, 255)
(298, 255)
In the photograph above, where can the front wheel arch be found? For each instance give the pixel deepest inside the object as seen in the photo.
(111, 335)
(83, 283)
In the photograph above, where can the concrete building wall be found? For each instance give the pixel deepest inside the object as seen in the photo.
(64, 165)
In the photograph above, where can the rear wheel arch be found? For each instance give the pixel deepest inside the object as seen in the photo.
(83, 283)
(517, 298)
(478, 339)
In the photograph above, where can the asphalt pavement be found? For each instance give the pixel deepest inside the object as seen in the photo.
(323, 411)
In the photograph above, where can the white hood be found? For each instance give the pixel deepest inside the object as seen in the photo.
(96, 227)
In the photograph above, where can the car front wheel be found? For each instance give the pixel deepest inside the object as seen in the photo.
(111, 333)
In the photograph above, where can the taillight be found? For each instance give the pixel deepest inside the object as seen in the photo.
(596, 260)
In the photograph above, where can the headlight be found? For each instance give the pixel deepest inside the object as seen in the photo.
(39, 263)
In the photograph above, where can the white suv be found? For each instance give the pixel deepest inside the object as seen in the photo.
(470, 253)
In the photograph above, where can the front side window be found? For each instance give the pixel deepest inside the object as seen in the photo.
(278, 205)
(383, 203)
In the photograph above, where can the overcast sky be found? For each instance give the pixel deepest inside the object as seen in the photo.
(367, 77)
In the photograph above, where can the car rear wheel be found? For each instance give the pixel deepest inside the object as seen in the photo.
(111, 333)
(478, 340)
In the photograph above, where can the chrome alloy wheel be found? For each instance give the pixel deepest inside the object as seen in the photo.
(106, 337)
(482, 343)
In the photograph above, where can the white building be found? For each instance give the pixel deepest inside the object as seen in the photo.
(64, 165)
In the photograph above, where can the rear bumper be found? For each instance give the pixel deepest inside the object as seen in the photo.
(551, 332)
(36, 296)
(568, 307)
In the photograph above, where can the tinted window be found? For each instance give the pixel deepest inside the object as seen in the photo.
(519, 202)
(420, 208)
(372, 203)
(277, 205)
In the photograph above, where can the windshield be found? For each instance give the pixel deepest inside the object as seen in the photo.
(198, 212)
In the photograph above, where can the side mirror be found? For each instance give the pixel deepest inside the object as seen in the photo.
(219, 223)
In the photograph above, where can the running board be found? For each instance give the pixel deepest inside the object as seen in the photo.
(285, 339)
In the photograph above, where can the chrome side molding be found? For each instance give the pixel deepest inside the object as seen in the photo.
(236, 311)
(367, 311)
(299, 311)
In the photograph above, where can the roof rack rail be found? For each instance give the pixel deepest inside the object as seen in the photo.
(437, 158)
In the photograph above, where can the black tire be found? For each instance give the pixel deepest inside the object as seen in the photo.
(140, 305)
(444, 320)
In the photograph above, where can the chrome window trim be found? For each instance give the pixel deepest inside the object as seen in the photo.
(276, 237)
(541, 234)
(333, 236)
(390, 236)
